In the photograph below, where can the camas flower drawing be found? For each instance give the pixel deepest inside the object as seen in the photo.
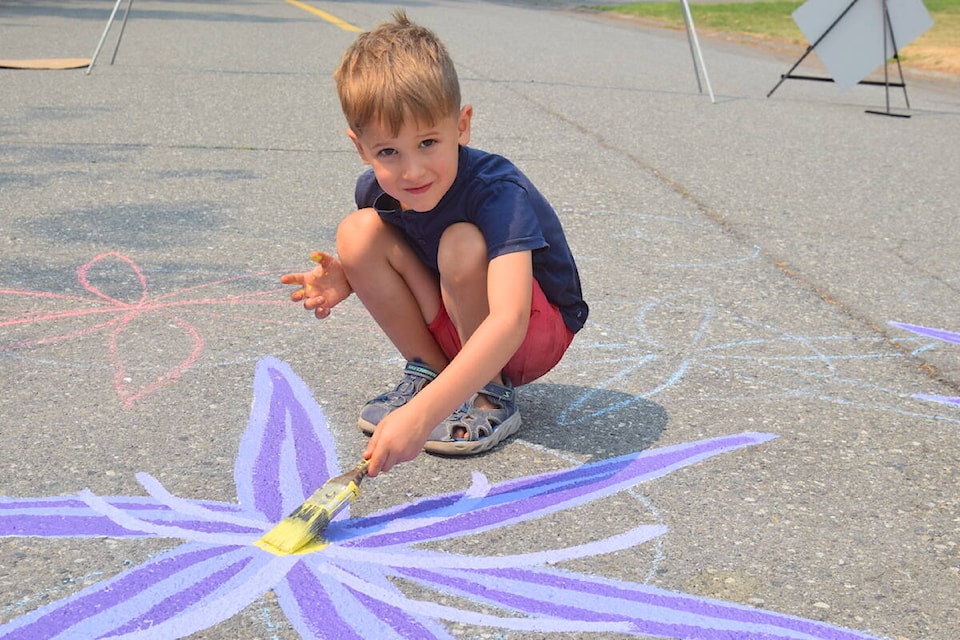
(348, 586)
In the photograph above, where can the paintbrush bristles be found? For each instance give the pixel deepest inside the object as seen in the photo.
(316, 517)
(288, 536)
(311, 518)
(298, 529)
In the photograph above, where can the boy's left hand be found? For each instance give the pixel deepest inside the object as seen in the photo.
(322, 288)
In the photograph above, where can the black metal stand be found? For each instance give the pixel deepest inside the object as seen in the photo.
(888, 26)
(887, 29)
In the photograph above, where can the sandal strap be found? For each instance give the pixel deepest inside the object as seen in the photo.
(419, 369)
(505, 394)
(416, 375)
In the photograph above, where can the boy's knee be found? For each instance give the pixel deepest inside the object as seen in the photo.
(359, 223)
(356, 230)
(462, 249)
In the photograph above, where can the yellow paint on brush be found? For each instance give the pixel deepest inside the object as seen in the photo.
(346, 26)
(317, 544)
(307, 522)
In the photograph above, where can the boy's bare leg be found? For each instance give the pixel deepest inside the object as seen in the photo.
(398, 290)
(463, 262)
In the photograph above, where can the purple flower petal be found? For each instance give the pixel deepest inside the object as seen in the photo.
(217, 533)
(939, 334)
(936, 398)
(309, 607)
(71, 517)
(391, 603)
(211, 600)
(320, 606)
(220, 517)
(421, 559)
(287, 451)
(529, 497)
(56, 517)
(179, 576)
(650, 611)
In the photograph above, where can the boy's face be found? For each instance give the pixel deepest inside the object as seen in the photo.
(418, 165)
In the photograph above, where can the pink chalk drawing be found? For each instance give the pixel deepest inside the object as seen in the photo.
(348, 588)
(69, 317)
(937, 334)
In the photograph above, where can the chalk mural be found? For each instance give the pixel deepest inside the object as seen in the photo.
(348, 587)
(937, 334)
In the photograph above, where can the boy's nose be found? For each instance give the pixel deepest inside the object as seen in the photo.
(412, 169)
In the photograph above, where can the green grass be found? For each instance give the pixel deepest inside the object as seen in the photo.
(758, 19)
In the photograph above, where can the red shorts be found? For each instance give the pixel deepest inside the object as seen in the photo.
(547, 340)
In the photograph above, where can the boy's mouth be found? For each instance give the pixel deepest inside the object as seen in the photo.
(416, 191)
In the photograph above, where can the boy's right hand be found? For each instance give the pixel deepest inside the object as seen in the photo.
(322, 288)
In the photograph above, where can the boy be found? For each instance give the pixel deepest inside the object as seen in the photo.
(452, 250)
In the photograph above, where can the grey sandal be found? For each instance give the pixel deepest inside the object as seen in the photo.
(471, 430)
(416, 375)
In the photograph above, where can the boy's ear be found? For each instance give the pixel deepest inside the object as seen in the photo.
(463, 124)
(356, 143)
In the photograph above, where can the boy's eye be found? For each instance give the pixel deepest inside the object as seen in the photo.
(428, 143)
(386, 153)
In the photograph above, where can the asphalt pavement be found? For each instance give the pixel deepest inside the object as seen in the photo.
(743, 258)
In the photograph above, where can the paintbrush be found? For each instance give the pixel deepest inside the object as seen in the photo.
(311, 518)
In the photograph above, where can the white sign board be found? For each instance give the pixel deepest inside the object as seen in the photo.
(854, 47)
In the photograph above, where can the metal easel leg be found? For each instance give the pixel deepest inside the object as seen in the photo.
(113, 15)
(695, 51)
(123, 27)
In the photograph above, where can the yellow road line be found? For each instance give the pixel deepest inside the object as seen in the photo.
(346, 26)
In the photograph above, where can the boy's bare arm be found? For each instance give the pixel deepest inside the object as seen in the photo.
(402, 434)
(322, 288)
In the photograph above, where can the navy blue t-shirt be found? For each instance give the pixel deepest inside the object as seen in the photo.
(491, 193)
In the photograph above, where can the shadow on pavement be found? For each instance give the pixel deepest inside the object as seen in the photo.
(597, 422)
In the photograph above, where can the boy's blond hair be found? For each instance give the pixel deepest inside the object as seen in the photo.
(397, 72)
